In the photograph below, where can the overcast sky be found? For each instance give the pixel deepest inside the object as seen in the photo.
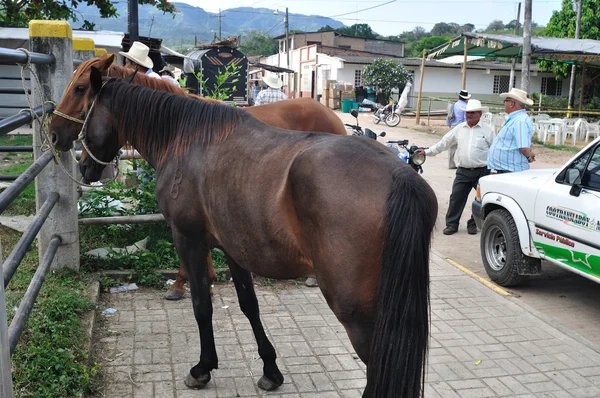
(399, 15)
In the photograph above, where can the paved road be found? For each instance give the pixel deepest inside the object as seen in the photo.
(568, 299)
(483, 344)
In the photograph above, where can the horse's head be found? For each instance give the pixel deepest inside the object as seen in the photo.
(99, 135)
(69, 114)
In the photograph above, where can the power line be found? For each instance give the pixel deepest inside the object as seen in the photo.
(364, 9)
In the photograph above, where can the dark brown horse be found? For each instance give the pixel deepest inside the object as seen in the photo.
(259, 193)
(301, 114)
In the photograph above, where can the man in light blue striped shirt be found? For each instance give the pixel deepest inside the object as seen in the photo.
(511, 149)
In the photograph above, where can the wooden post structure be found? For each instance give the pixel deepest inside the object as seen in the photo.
(418, 118)
(571, 101)
(582, 88)
(55, 37)
(464, 71)
(511, 82)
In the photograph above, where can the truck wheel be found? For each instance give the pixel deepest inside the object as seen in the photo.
(501, 250)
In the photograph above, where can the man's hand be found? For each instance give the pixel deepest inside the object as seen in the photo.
(531, 157)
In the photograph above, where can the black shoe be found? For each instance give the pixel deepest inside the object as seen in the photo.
(472, 229)
(450, 230)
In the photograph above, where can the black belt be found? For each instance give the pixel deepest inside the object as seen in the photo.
(473, 168)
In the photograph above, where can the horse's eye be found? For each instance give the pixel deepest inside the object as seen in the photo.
(80, 89)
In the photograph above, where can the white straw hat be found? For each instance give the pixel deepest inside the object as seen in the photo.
(272, 80)
(517, 95)
(138, 53)
(475, 106)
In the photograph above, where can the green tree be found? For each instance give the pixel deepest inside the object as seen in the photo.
(385, 75)
(257, 43)
(326, 28)
(443, 29)
(360, 30)
(427, 43)
(495, 26)
(18, 13)
(562, 24)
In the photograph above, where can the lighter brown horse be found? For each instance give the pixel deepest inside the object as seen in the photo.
(302, 114)
(280, 204)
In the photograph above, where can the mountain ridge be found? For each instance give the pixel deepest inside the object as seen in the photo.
(190, 21)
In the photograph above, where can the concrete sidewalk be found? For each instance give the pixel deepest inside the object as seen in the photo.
(483, 344)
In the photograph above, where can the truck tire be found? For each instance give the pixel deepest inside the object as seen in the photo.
(501, 250)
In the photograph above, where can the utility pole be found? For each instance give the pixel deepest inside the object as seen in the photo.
(511, 83)
(574, 67)
(287, 38)
(151, 25)
(220, 24)
(132, 22)
(526, 62)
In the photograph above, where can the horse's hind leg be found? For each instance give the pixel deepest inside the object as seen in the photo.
(177, 289)
(272, 377)
(193, 255)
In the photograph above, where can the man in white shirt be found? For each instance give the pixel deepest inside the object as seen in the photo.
(473, 140)
(272, 93)
(137, 59)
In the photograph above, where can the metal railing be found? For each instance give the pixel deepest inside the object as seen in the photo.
(9, 336)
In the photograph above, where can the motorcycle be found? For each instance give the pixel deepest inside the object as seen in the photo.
(357, 130)
(388, 114)
(408, 154)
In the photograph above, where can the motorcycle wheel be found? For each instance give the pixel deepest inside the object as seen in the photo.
(392, 120)
(376, 120)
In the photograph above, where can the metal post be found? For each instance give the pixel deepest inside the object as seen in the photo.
(429, 111)
(287, 39)
(132, 22)
(582, 87)
(418, 118)
(526, 63)
(54, 37)
(514, 60)
(6, 388)
(574, 67)
(465, 52)
(220, 24)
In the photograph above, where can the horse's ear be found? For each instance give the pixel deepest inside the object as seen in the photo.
(95, 80)
(130, 78)
(107, 61)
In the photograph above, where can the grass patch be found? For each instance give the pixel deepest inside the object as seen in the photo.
(25, 203)
(50, 359)
(565, 148)
(16, 140)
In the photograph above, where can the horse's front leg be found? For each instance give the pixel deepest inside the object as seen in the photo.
(242, 279)
(193, 255)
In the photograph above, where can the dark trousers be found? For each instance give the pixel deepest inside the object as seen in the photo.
(464, 182)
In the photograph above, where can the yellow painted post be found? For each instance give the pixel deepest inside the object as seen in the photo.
(83, 48)
(54, 37)
(98, 52)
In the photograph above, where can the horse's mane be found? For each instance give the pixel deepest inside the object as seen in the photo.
(161, 123)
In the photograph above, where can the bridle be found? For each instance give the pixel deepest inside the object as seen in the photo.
(83, 132)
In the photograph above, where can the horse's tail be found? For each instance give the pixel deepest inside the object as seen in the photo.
(398, 356)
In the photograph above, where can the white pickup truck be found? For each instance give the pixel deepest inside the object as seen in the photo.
(543, 214)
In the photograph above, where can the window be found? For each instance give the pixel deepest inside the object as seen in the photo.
(501, 84)
(358, 78)
(591, 177)
(551, 86)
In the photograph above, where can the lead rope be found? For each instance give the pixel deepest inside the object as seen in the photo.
(44, 121)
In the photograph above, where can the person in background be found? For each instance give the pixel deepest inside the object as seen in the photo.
(137, 59)
(167, 74)
(272, 93)
(256, 90)
(472, 140)
(455, 117)
(511, 150)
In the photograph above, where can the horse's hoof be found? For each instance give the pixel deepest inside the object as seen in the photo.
(311, 281)
(173, 294)
(197, 384)
(267, 385)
